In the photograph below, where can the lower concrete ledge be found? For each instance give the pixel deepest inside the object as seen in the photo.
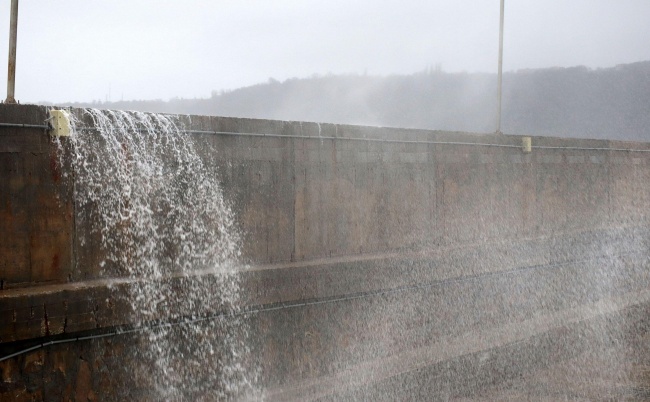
(35, 312)
(395, 341)
(452, 366)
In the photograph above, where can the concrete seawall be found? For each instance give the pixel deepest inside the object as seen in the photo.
(383, 263)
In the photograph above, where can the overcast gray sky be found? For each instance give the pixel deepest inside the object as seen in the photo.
(75, 50)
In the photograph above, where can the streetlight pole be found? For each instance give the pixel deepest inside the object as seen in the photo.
(11, 71)
(500, 83)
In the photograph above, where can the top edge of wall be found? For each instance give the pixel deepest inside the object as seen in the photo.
(37, 114)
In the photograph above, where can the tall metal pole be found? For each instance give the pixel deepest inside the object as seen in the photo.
(500, 83)
(13, 33)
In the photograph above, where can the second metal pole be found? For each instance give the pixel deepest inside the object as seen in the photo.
(11, 71)
(499, 84)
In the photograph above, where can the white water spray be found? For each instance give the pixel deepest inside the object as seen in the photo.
(164, 224)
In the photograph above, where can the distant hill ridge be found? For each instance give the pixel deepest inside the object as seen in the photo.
(612, 103)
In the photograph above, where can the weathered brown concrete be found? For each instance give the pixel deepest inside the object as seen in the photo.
(36, 224)
(379, 253)
(304, 198)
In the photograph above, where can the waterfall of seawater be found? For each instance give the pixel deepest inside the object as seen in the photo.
(166, 230)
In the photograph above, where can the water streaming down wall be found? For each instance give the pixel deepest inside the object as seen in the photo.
(156, 211)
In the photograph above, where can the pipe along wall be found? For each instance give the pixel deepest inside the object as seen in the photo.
(376, 263)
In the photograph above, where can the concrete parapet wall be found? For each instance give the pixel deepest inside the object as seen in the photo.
(367, 249)
(307, 195)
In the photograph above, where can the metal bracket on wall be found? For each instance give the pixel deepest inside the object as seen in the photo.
(526, 145)
(60, 123)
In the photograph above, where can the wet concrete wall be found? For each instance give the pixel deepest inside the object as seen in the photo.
(299, 199)
(35, 204)
(380, 259)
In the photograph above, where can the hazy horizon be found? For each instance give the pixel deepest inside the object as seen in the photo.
(219, 92)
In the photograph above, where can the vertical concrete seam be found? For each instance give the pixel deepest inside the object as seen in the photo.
(292, 151)
(74, 238)
(608, 169)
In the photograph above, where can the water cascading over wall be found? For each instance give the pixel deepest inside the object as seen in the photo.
(151, 223)
(296, 261)
(154, 211)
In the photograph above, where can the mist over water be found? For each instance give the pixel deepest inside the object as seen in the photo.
(166, 231)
